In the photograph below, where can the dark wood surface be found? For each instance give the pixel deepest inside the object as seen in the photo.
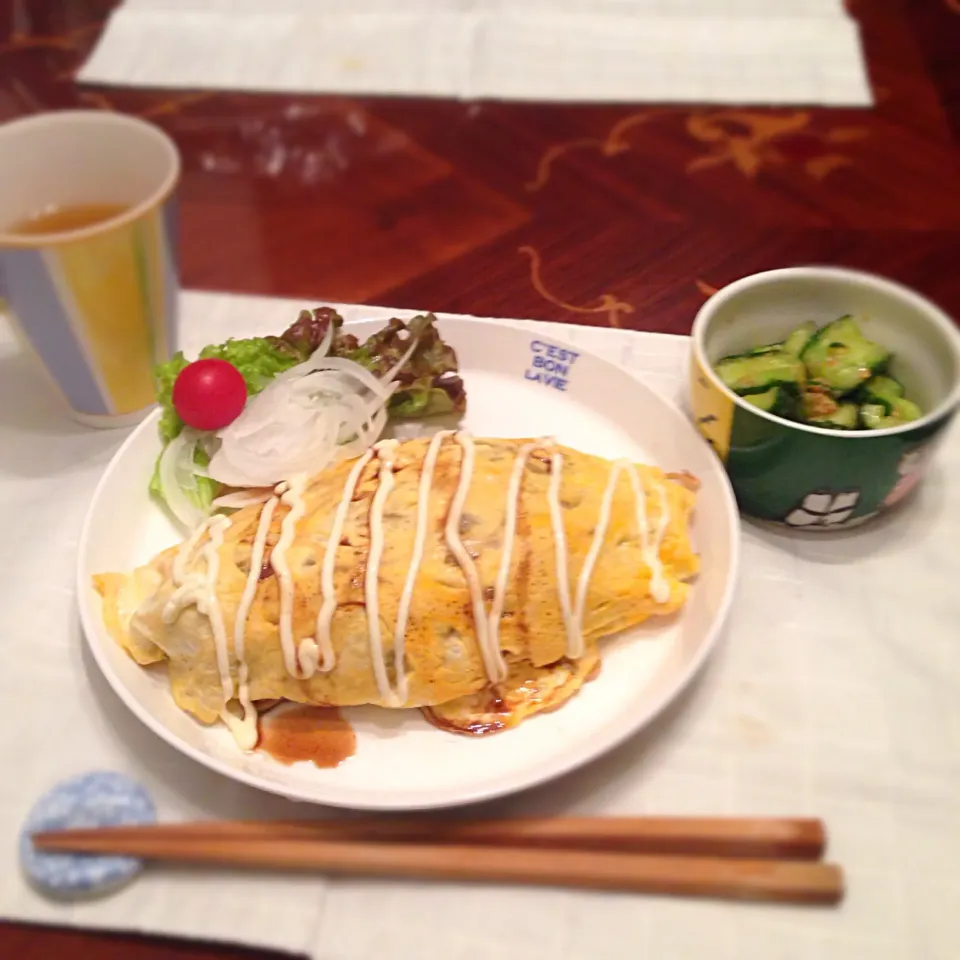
(628, 216)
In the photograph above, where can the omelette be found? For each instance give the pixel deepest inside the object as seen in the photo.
(471, 577)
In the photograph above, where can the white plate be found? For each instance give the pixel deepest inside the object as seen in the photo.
(401, 761)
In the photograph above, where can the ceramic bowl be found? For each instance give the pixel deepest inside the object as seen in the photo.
(804, 476)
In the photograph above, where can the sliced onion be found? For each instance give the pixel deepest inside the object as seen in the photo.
(361, 417)
(243, 498)
(409, 431)
(310, 363)
(351, 368)
(302, 424)
(359, 446)
(209, 444)
(177, 476)
(317, 412)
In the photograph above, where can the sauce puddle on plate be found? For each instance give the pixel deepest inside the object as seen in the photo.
(318, 735)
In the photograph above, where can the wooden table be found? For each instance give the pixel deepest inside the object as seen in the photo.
(628, 216)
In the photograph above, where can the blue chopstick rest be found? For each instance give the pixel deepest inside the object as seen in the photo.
(99, 799)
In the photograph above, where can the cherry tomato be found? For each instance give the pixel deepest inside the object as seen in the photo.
(209, 394)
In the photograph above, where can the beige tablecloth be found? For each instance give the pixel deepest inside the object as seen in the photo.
(836, 693)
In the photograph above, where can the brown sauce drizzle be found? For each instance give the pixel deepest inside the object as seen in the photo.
(474, 728)
(303, 733)
(496, 705)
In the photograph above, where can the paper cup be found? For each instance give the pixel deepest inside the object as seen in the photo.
(97, 305)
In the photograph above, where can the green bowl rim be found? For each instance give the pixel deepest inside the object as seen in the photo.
(933, 313)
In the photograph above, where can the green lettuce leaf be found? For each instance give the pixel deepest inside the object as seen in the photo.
(165, 375)
(420, 401)
(259, 359)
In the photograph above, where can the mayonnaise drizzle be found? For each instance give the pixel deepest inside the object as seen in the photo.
(327, 589)
(186, 552)
(659, 589)
(385, 453)
(211, 603)
(201, 589)
(190, 588)
(419, 542)
(509, 532)
(292, 496)
(492, 660)
(570, 622)
(245, 730)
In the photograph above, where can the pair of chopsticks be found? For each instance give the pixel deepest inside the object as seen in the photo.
(735, 858)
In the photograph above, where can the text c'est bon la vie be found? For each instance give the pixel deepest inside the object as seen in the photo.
(550, 364)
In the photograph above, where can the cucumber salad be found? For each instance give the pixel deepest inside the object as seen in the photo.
(832, 377)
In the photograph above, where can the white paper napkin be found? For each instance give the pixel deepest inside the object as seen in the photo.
(834, 695)
(707, 51)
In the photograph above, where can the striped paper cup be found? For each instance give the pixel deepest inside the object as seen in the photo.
(96, 305)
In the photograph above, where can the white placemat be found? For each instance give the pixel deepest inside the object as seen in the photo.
(705, 51)
(835, 694)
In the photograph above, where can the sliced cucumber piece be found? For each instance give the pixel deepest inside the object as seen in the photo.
(763, 401)
(878, 416)
(845, 417)
(762, 351)
(840, 356)
(906, 410)
(780, 400)
(873, 416)
(883, 391)
(757, 374)
(800, 337)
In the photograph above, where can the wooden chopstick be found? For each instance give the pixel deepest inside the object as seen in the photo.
(784, 881)
(754, 838)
